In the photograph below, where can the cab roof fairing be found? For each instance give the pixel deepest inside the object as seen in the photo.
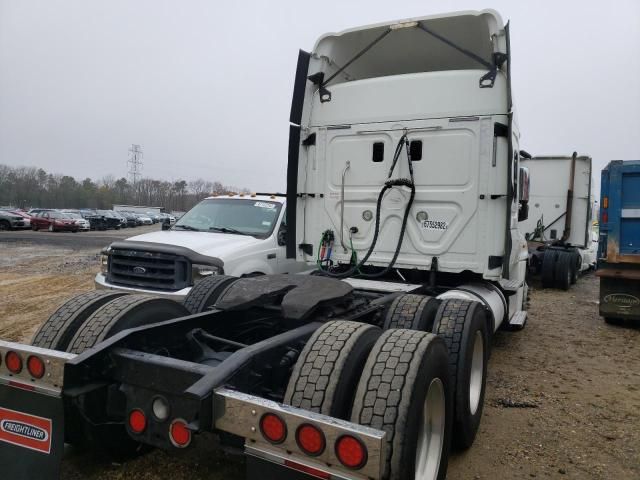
(411, 50)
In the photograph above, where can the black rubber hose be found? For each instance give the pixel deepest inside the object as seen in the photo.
(400, 182)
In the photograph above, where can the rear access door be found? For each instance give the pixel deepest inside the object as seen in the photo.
(450, 159)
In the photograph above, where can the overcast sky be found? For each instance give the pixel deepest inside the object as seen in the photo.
(205, 86)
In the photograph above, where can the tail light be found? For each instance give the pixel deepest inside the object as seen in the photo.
(13, 362)
(273, 428)
(179, 433)
(310, 439)
(35, 365)
(605, 217)
(137, 421)
(351, 452)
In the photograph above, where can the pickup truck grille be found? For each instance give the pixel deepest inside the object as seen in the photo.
(152, 270)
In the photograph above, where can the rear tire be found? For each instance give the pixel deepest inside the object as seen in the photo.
(463, 326)
(59, 329)
(414, 312)
(577, 267)
(564, 270)
(326, 374)
(206, 292)
(128, 311)
(118, 314)
(405, 390)
(548, 268)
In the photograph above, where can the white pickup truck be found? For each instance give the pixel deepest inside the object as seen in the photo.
(236, 235)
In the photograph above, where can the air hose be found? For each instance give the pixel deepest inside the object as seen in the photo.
(389, 184)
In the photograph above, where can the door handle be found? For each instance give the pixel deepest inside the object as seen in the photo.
(271, 256)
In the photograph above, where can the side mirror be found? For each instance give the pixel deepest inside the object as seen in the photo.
(282, 236)
(166, 224)
(523, 194)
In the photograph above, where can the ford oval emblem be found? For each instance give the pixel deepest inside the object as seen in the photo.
(139, 270)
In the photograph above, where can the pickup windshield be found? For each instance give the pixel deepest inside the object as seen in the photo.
(224, 215)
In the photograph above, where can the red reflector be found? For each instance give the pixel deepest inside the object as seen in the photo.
(31, 388)
(137, 421)
(351, 452)
(310, 439)
(273, 428)
(605, 217)
(35, 365)
(179, 433)
(13, 362)
(314, 472)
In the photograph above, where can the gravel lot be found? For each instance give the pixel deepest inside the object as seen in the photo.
(563, 398)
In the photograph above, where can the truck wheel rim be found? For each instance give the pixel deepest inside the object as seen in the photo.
(477, 371)
(431, 433)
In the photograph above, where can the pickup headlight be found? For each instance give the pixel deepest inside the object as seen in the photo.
(104, 263)
(202, 271)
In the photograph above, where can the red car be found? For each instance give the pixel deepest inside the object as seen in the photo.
(54, 222)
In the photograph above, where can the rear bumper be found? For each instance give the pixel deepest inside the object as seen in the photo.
(178, 295)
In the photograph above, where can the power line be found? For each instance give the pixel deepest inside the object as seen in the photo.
(135, 163)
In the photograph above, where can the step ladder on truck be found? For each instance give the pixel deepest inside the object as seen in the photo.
(404, 191)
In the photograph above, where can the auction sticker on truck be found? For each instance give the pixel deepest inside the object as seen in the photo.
(264, 205)
(434, 225)
(25, 430)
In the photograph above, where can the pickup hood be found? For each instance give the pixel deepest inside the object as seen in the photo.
(219, 245)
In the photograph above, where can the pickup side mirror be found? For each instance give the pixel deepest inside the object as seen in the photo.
(166, 224)
(282, 235)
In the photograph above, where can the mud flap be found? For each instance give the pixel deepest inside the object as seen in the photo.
(31, 434)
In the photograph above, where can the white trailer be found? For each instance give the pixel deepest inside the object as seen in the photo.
(560, 218)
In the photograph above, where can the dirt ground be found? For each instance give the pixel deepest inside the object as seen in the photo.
(563, 396)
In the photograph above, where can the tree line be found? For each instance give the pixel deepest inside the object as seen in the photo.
(30, 187)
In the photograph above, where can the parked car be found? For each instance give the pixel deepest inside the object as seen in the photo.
(26, 217)
(145, 219)
(33, 211)
(11, 221)
(112, 220)
(132, 220)
(54, 221)
(96, 221)
(83, 224)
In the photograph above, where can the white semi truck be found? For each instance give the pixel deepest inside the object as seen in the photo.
(405, 193)
(559, 227)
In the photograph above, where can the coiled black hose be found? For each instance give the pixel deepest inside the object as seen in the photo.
(399, 182)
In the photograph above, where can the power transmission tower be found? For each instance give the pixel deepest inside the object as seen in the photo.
(135, 163)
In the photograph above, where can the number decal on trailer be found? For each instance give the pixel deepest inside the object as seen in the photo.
(25, 430)
(434, 225)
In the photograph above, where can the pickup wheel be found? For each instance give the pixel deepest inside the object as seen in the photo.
(564, 267)
(325, 376)
(405, 390)
(463, 326)
(206, 292)
(548, 268)
(59, 329)
(415, 312)
(124, 312)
